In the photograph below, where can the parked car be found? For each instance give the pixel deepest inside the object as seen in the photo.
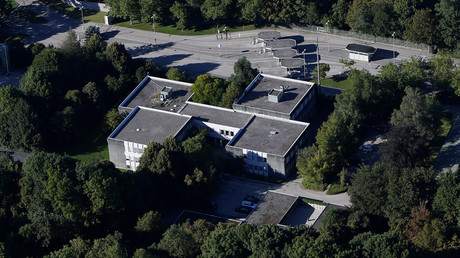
(249, 204)
(366, 148)
(252, 198)
(243, 209)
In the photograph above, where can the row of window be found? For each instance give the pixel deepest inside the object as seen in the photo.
(255, 158)
(226, 132)
(257, 170)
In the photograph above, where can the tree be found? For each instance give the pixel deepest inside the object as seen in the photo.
(94, 47)
(157, 7)
(224, 243)
(323, 69)
(423, 113)
(110, 246)
(70, 45)
(339, 14)
(448, 15)
(208, 89)
(179, 243)
(359, 16)
(92, 92)
(24, 128)
(404, 147)
(310, 14)
(149, 227)
(90, 31)
(5, 8)
(387, 244)
(112, 120)
(382, 22)
(232, 93)
(180, 14)
(443, 71)
(421, 27)
(120, 58)
(176, 74)
(455, 84)
(216, 9)
(446, 202)
(368, 189)
(149, 68)
(9, 187)
(243, 73)
(251, 9)
(124, 8)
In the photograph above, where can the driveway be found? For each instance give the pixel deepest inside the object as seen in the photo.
(232, 190)
(449, 156)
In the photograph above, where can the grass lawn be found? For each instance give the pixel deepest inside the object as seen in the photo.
(92, 145)
(97, 17)
(339, 83)
(14, 4)
(193, 31)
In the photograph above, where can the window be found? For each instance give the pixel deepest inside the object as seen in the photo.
(226, 132)
(221, 131)
(265, 160)
(232, 134)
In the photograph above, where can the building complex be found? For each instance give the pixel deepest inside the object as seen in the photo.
(265, 127)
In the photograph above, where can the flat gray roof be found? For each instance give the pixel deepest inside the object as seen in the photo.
(268, 35)
(271, 209)
(274, 136)
(284, 53)
(292, 62)
(280, 44)
(256, 94)
(361, 48)
(216, 115)
(144, 125)
(147, 94)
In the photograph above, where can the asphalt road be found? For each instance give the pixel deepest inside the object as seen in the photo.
(205, 54)
(449, 156)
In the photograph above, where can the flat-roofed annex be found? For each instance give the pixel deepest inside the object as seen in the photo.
(147, 94)
(256, 94)
(269, 135)
(145, 125)
(215, 115)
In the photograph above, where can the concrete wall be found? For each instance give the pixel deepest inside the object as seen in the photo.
(117, 153)
(254, 110)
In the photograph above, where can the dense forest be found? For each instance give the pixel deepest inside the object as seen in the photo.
(418, 21)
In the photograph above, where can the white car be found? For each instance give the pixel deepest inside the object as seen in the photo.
(249, 204)
(366, 148)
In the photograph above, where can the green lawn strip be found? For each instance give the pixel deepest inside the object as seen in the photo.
(91, 145)
(97, 17)
(14, 4)
(336, 188)
(310, 201)
(192, 31)
(447, 120)
(342, 83)
(30, 16)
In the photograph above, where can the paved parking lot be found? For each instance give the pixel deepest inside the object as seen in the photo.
(232, 191)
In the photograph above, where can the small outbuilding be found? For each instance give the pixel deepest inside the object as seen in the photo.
(361, 52)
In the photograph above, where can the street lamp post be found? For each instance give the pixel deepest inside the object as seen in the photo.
(81, 10)
(153, 18)
(393, 35)
(327, 31)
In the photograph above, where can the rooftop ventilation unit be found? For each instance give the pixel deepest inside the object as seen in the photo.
(272, 132)
(276, 95)
(166, 93)
(138, 129)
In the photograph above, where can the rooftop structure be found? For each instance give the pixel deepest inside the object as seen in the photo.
(157, 93)
(255, 97)
(292, 63)
(267, 35)
(361, 52)
(274, 136)
(280, 44)
(215, 115)
(145, 125)
(289, 210)
(284, 53)
(272, 209)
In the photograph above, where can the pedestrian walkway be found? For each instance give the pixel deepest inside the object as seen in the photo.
(449, 156)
